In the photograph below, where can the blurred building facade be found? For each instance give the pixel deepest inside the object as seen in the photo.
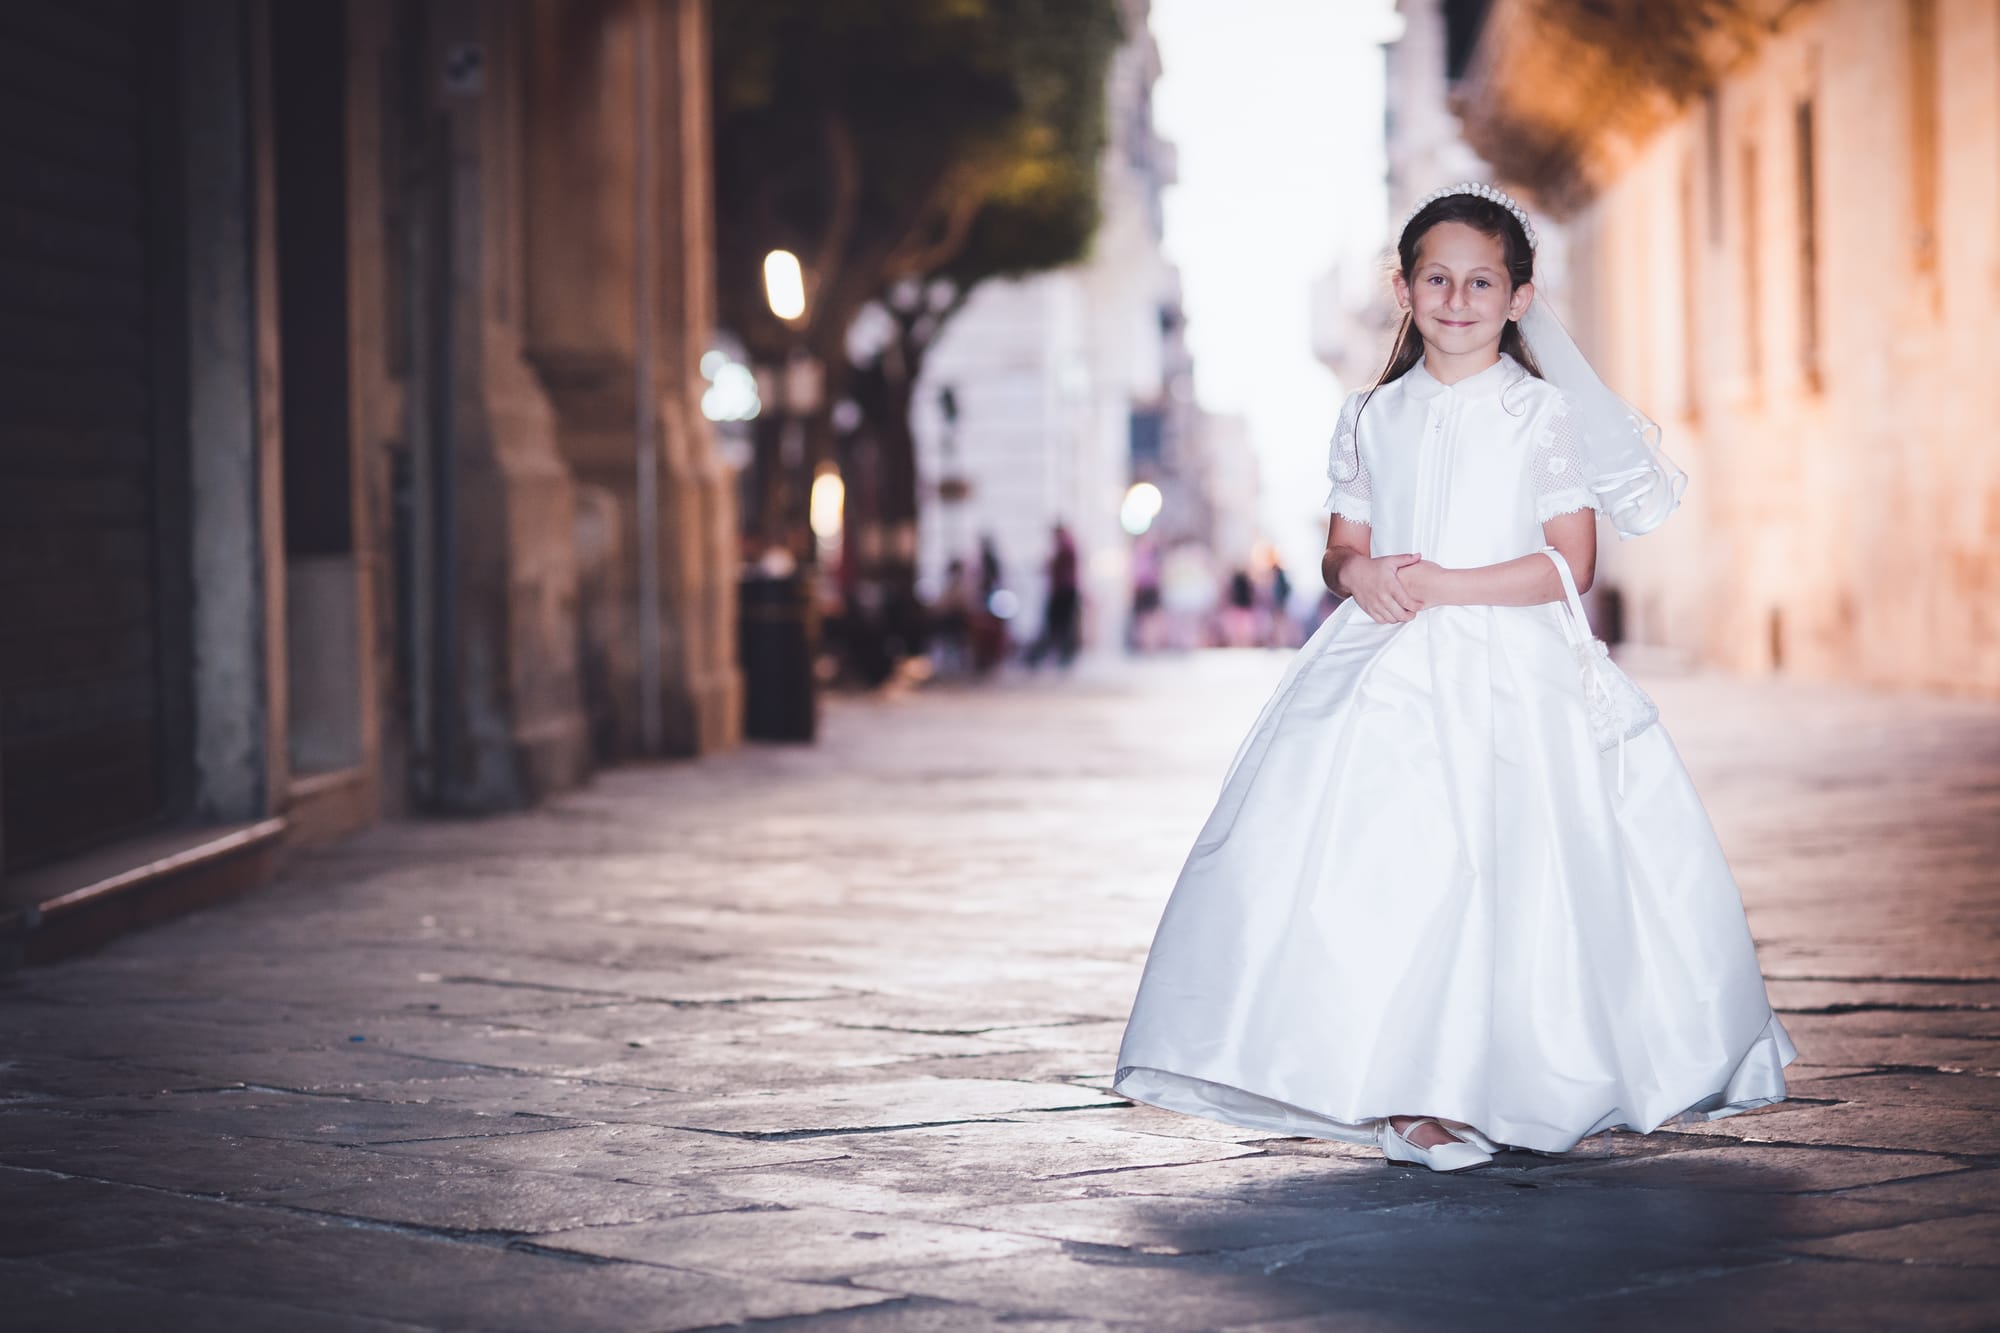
(1782, 247)
(1423, 147)
(1069, 387)
(1354, 318)
(322, 491)
(1234, 488)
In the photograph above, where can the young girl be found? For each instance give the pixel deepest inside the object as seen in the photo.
(1428, 911)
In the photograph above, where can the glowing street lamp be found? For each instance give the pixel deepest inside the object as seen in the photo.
(1142, 505)
(784, 284)
(731, 395)
(829, 497)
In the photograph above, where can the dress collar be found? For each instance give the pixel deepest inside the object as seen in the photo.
(1421, 384)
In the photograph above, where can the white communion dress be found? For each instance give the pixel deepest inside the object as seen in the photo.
(1421, 891)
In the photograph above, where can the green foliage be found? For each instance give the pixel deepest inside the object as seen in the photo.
(1042, 209)
(884, 140)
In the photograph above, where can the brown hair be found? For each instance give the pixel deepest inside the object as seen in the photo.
(1482, 215)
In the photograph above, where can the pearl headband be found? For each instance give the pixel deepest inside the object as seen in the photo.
(1474, 188)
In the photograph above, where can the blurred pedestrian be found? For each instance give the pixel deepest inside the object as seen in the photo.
(951, 619)
(1061, 612)
(1149, 627)
(994, 611)
(1239, 613)
(989, 568)
(1283, 629)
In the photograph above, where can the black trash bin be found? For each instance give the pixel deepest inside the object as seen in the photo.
(777, 638)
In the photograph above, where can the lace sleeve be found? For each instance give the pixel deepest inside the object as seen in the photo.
(1351, 494)
(1561, 484)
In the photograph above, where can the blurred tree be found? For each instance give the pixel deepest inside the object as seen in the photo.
(906, 151)
(1040, 213)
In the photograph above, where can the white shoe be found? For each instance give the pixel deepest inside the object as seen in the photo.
(1457, 1155)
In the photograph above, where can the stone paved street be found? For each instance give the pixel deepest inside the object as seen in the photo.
(821, 1038)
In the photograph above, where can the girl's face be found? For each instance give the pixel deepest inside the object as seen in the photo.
(1459, 295)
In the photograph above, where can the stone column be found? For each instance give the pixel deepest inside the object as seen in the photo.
(514, 719)
(620, 302)
(379, 360)
(699, 548)
(231, 403)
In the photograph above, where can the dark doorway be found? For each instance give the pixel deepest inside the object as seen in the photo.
(89, 449)
(309, 65)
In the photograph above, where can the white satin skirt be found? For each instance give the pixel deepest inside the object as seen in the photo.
(1421, 892)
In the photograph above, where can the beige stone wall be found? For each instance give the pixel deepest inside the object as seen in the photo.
(494, 215)
(609, 139)
(1843, 518)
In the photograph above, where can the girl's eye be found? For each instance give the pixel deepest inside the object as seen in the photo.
(1434, 279)
(1481, 282)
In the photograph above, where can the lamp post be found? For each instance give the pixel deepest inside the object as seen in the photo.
(781, 446)
(952, 487)
(777, 617)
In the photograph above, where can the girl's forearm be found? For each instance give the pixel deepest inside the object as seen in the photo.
(1524, 581)
(1332, 563)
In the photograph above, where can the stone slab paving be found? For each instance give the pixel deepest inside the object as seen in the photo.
(820, 1039)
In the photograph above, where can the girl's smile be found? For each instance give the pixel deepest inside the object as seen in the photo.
(1460, 299)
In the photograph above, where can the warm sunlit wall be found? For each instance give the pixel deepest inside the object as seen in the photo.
(1844, 514)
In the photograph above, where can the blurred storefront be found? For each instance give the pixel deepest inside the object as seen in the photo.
(352, 458)
(1780, 223)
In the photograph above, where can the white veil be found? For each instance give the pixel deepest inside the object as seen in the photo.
(1636, 485)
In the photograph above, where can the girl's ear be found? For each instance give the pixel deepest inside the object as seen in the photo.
(1524, 296)
(1402, 289)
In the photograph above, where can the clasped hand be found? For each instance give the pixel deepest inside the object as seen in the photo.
(1393, 588)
